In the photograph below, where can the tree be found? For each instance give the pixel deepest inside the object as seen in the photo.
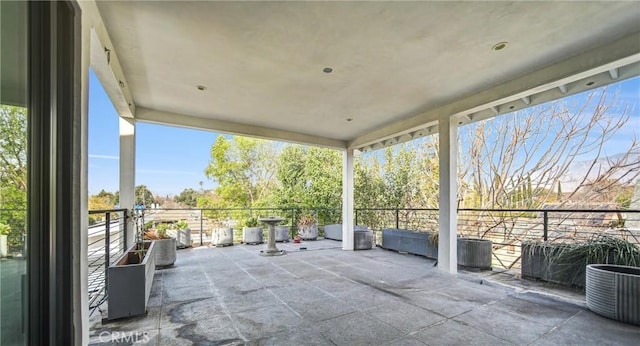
(539, 150)
(143, 196)
(244, 169)
(13, 172)
(188, 197)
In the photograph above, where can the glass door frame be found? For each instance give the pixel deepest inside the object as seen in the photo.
(53, 206)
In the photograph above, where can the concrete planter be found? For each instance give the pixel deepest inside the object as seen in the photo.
(222, 236)
(183, 237)
(129, 283)
(165, 252)
(613, 291)
(334, 231)
(3, 245)
(252, 235)
(474, 253)
(362, 238)
(416, 243)
(282, 233)
(537, 263)
(308, 232)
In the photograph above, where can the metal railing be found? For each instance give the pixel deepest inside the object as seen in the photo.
(107, 241)
(202, 221)
(508, 229)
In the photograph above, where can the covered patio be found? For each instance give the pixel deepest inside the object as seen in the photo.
(326, 296)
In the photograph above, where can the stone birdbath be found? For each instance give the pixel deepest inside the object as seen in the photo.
(271, 250)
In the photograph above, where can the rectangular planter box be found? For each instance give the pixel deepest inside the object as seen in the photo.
(535, 264)
(129, 285)
(334, 231)
(409, 241)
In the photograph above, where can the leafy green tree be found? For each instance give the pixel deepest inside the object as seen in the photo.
(143, 196)
(13, 172)
(188, 197)
(244, 169)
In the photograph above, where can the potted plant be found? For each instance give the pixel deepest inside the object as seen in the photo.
(221, 235)
(612, 291)
(4, 232)
(165, 245)
(182, 233)
(130, 278)
(307, 227)
(251, 233)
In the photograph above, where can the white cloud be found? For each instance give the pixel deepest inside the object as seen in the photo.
(107, 157)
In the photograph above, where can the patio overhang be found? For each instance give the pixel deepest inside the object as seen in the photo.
(397, 66)
(354, 76)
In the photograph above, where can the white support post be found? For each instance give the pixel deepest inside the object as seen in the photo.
(347, 199)
(128, 170)
(448, 218)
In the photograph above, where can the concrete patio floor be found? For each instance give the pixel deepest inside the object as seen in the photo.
(327, 296)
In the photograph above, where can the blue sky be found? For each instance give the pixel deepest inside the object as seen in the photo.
(170, 159)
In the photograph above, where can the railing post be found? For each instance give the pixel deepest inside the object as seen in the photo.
(545, 224)
(107, 250)
(126, 229)
(397, 218)
(201, 226)
(355, 217)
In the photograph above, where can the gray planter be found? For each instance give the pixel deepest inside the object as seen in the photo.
(165, 252)
(282, 233)
(252, 235)
(474, 253)
(183, 237)
(536, 264)
(222, 236)
(416, 243)
(129, 285)
(613, 291)
(334, 231)
(362, 239)
(308, 232)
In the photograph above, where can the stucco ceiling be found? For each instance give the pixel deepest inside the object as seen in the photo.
(262, 62)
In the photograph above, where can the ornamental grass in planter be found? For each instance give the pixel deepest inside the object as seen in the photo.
(566, 263)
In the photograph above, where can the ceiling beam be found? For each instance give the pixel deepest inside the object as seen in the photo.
(105, 63)
(189, 121)
(623, 52)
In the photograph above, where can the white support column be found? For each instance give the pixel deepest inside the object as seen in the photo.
(347, 199)
(128, 169)
(448, 218)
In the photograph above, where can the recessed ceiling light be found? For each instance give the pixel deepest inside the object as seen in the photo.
(590, 83)
(349, 119)
(327, 70)
(201, 87)
(500, 46)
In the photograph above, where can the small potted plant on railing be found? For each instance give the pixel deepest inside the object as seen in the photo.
(131, 277)
(251, 233)
(165, 245)
(307, 227)
(4, 232)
